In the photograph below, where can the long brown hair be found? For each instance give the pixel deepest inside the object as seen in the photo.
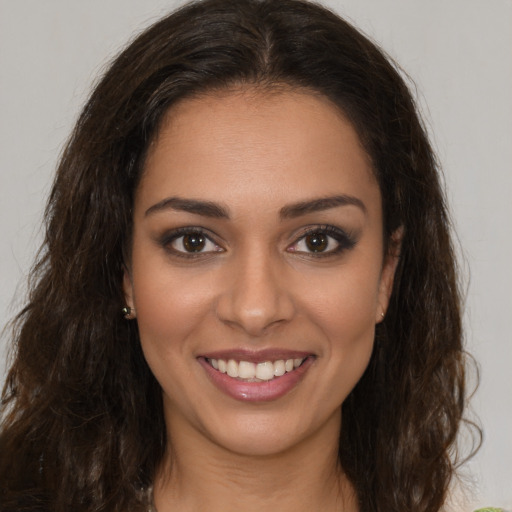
(83, 425)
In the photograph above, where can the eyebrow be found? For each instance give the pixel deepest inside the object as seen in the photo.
(291, 211)
(204, 208)
(316, 205)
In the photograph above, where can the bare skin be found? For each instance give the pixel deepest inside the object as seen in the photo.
(257, 240)
(205, 477)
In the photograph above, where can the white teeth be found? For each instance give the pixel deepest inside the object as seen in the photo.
(247, 370)
(232, 370)
(264, 371)
(279, 368)
(223, 366)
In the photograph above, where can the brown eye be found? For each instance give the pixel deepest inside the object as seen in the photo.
(194, 242)
(317, 242)
(322, 241)
(190, 242)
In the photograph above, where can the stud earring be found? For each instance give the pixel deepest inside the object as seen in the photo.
(128, 313)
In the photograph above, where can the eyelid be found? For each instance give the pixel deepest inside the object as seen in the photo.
(172, 235)
(344, 239)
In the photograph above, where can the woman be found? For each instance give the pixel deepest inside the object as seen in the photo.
(247, 293)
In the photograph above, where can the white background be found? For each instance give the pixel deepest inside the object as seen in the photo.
(458, 52)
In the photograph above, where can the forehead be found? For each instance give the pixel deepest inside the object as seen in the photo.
(231, 145)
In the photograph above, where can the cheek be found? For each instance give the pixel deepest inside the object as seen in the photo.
(170, 307)
(170, 313)
(344, 302)
(344, 312)
(343, 308)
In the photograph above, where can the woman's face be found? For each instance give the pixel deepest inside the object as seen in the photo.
(257, 269)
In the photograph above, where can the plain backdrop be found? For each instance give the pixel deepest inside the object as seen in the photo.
(459, 54)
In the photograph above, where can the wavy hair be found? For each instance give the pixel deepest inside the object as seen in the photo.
(83, 424)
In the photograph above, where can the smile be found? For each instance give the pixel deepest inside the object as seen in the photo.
(261, 376)
(255, 372)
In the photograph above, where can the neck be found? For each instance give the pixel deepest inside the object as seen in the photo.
(198, 474)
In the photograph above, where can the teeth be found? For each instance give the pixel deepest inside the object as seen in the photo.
(223, 366)
(232, 370)
(279, 368)
(246, 370)
(266, 370)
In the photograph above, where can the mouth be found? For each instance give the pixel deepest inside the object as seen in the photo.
(247, 371)
(256, 377)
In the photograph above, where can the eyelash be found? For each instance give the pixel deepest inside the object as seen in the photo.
(178, 233)
(344, 241)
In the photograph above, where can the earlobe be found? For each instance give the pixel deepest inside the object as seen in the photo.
(388, 273)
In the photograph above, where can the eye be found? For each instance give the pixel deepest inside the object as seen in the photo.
(320, 241)
(191, 242)
(316, 242)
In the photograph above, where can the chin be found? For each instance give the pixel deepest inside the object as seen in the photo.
(264, 435)
(259, 442)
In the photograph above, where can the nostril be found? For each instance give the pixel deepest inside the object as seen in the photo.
(255, 321)
(254, 300)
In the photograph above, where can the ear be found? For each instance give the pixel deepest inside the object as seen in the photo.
(128, 288)
(387, 276)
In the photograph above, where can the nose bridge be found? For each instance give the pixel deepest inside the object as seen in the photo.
(256, 297)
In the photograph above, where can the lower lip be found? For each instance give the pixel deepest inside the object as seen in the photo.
(256, 391)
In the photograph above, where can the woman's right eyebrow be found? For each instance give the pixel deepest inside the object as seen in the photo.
(199, 207)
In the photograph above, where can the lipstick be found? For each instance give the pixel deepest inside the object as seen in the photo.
(256, 376)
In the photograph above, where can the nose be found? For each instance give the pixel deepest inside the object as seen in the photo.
(255, 297)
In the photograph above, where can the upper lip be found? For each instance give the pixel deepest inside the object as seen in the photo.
(257, 356)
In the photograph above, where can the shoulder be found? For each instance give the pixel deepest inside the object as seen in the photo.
(491, 509)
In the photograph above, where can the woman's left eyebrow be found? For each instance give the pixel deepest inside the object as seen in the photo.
(316, 205)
